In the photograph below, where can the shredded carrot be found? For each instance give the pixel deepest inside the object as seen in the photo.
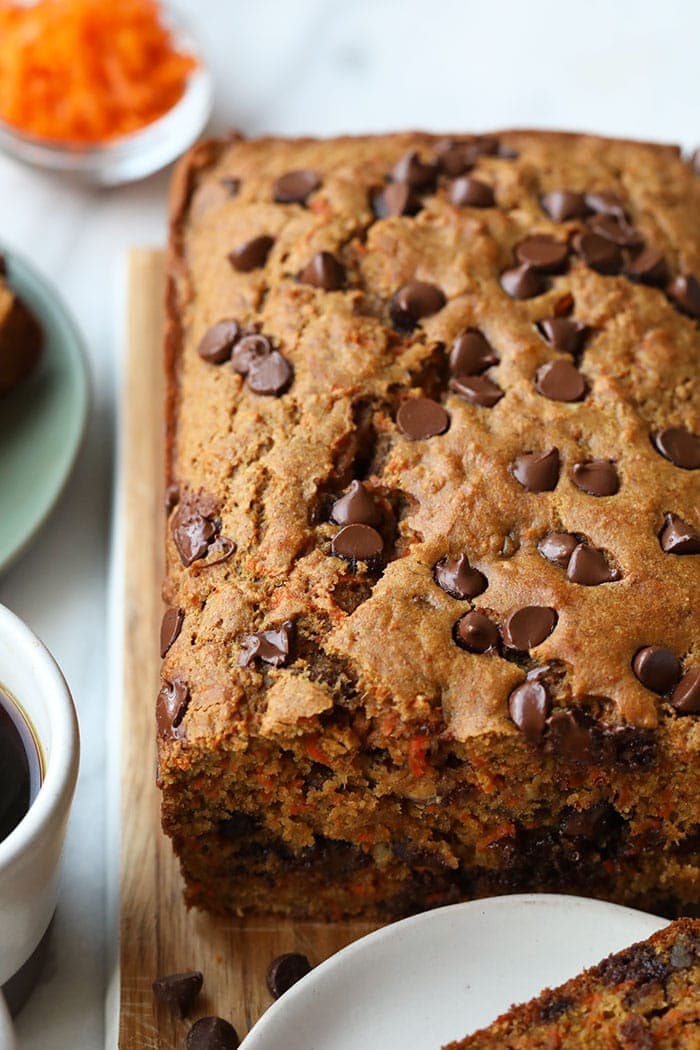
(315, 751)
(87, 71)
(417, 750)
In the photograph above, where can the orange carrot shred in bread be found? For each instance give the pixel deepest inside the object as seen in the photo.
(85, 71)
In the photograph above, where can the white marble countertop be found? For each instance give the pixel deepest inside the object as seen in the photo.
(316, 66)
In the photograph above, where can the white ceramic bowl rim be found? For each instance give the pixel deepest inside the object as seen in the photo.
(61, 765)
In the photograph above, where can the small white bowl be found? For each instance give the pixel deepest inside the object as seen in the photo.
(138, 154)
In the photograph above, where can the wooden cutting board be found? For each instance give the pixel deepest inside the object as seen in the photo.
(158, 935)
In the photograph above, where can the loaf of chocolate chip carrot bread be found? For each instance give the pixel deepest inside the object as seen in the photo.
(433, 540)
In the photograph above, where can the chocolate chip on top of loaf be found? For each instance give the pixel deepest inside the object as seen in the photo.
(433, 555)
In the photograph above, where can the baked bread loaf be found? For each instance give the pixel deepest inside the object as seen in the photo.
(20, 337)
(646, 997)
(433, 541)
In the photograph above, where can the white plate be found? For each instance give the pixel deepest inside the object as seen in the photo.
(424, 981)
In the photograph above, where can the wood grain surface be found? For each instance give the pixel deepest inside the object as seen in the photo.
(158, 934)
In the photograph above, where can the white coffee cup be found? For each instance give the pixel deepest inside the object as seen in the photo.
(30, 855)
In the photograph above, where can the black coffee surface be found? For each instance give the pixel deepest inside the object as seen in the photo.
(20, 766)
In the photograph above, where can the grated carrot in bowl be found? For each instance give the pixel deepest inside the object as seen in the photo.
(85, 72)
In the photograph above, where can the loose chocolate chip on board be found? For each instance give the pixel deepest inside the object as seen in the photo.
(251, 255)
(476, 633)
(529, 707)
(563, 333)
(537, 471)
(395, 199)
(272, 646)
(616, 230)
(678, 537)
(685, 292)
(179, 991)
(286, 970)
(560, 381)
(471, 354)
(523, 282)
(679, 446)
(649, 267)
(558, 547)
(217, 344)
(270, 375)
(599, 253)
(357, 543)
(419, 418)
(171, 707)
(473, 193)
(686, 695)
(415, 300)
(324, 271)
(604, 202)
(170, 628)
(544, 253)
(477, 390)
(413, 171)
(588, 566)
(356, 507)
(657, 668)
(248, 351)
(561, 205)
(597, 477)
(212, 1033)
(295, 187)
(456, 577)
(529, 626)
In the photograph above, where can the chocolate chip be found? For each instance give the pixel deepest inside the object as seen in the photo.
(678, 537)
(599, 253)
(272, 646)
(657, 668)
(219, 551)
(469, 192)
(194, 526)
(171, 707)
(649, 267)
(557, 547)
(686, 695)
(172, 497)
(561, 205)
(419, 418)
(563, 333)
(231, 184)
(529, 707)
(270, 375)
(456, 577)
(251, 254)
(395, 199)
(295, 187)
(617, 230)
(179, 991)
(471, 354)
(529, 626)
(170, 628)
(604, 202)
(543, 253)
(597, 477)
(679, 446)
(324, 271)
(475, 632)
(477, 390)
(523, 282)
(286, 970)
(248, 351)
(572, 736)
(685, 292)
(212, 1033)
(560, 381)
(357, 543)
(537, 471)
(415, 300)
(356, 507)
(416, 173)
(217, 344)
(455, 158)
(588, 567)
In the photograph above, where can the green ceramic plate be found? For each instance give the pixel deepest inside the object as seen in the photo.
(42, 420)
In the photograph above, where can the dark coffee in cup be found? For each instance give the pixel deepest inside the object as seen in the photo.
(20, 765)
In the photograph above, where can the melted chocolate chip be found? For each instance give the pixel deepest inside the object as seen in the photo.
(563, 333)
(679, 446)
(171, 707)
(543, 253)
(295, 187)
(537, 471)
(685, 292)
(419, 418)
(395, 199)
(597, 477)
(415, 300)
(212, 1033)
(471, 354)
(219, 551)
(678, 537)
(272, 646)
(251, 255)
(589, 567)
(194, 527)
(477, 390)
(528, 627)
(657, 668)
(170, 628)
(172, 497)
(604, 202)
(523, 282)
(475, 632)
(357, 543)
(248, 351)
(455, 158)
(217, 344)
(529, 707)
(617, 230)
(470, 192)
(649, 267)
(599, 253)
(686, 695)
(414, 172)
(324, 271)
(456, 577)
(270, 375)
(572, 736)
(356, 507)
(560, 381)
(285, 971)
(561, 205)
(558, 547)
(179, 991)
